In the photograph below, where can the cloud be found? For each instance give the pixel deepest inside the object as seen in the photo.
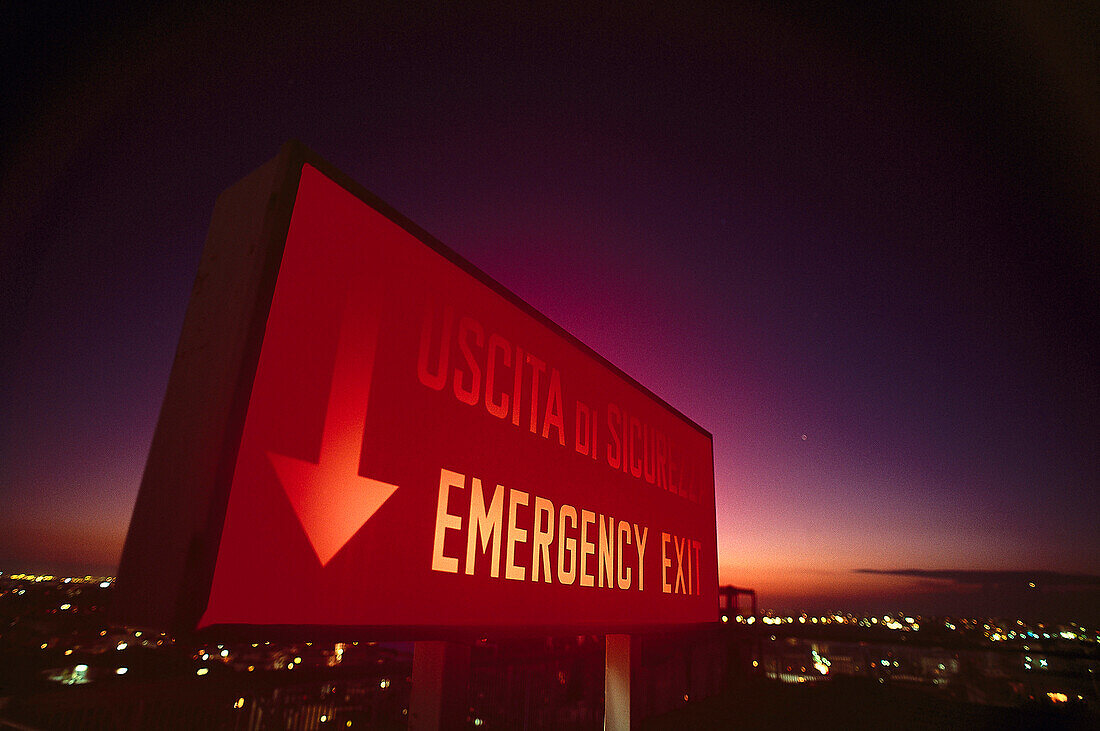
(1043, 579)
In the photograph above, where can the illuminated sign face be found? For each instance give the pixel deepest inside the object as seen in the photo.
(421, 450)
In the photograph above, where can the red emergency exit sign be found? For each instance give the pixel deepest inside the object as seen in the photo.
(380, 436)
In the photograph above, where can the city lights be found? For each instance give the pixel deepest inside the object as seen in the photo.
(797, 648)
(820, 663)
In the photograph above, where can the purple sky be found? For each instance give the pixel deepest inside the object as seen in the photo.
(858, 249)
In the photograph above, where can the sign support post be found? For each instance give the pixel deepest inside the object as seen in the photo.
(440, 676)
(616, 683)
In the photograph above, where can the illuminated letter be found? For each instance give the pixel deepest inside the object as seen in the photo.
(584, 424)
(626, 442)
(614, 456)
(679, 546)
(438, 379)
(635, 453)
(444, 521)
(641, 537)
(537, 367)
(567, 544)
(540, 547)
(604, 563)
(515, 535)
(687, 570)
(649, 458)
(588, 548)
(554, 415)
(487, 525)
(473, 393)
(696, 545)
(666, 562)
(497, 344)
(662, 452)
(595, 434)
(516, 385)
(624, 571)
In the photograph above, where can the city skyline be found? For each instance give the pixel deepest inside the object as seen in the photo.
(867, 277)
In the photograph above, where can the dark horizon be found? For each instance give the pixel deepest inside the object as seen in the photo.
(858, 246)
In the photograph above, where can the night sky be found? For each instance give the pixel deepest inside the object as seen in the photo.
(860, 249)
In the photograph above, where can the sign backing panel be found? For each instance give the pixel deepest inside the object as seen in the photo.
(421, 451)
